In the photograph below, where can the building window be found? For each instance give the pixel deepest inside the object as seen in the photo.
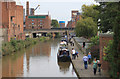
(12, 17)
(19, 27)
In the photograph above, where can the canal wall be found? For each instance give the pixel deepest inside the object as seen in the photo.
(78, 63)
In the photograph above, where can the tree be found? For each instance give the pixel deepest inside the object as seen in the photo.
(110, 19)
(86, 28)
(107, 15)
(55, 23)
(90, 11)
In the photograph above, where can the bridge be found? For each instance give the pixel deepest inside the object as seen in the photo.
(50, 30)
(40, 32)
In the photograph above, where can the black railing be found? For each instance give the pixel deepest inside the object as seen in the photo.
(49, 29)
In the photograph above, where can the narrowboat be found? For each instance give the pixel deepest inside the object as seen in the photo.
(63, 54)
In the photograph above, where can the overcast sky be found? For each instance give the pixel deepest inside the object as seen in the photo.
(58, 9)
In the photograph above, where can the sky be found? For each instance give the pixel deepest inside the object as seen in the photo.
(58, 9)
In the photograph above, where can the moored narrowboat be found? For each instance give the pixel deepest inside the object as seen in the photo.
(63, 54)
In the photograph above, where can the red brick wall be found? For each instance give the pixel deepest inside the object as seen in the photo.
(68, 24)
(104, 40)
(27, 8)
(46, 22)
(74, 17)
(5, 18)
(78, 17)
(14, 27)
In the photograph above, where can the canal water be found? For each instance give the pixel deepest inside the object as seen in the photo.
(39, 60)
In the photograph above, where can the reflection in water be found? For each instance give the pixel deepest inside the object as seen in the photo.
(37, 61)
(64, 66)
(12, 65)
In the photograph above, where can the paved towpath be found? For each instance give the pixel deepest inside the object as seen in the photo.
(79, 66)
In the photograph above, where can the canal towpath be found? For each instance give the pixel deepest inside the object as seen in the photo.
(79, 65)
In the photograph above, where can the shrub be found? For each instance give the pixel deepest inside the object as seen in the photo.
(15, 45)
(94, 41)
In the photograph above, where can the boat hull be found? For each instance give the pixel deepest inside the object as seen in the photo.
(64, 58)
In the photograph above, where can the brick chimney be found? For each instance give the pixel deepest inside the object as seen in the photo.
(27, 8)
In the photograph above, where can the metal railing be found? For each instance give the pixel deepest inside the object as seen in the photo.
(52, 29)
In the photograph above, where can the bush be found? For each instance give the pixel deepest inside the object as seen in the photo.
(94, 41)
(43, 39)
(94, 47)
(108, 52)
(15, 45)
(7, 48)
(109, 57)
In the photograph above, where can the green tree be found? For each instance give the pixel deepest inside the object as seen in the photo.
(110, 19)
(55, 23)
(86, 28)
(108, 12)
(90, 11)
(94, 41)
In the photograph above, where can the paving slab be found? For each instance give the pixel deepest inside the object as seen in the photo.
(79, 66)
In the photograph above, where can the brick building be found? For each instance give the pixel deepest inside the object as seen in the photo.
(12, 20)
(78, 17)
(75, 16)
(36, 21)
(69, 24)
(104, 40)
